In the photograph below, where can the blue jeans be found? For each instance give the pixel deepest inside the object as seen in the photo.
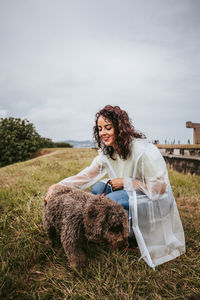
(119, 196)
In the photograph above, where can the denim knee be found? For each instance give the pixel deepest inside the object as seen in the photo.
(121, 197)
(97, 188)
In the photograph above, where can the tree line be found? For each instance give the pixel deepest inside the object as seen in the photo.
(19, 140)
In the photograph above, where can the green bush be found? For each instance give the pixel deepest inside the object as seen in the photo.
(19, 140)
(46, 143)
(63, 145)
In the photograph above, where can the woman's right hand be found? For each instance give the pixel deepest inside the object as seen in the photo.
(50, 192)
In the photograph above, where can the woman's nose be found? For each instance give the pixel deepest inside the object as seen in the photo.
(103, 131)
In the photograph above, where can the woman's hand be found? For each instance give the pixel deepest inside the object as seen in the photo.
(50, 191)
(117, 183)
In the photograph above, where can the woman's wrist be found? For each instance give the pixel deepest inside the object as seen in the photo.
(117, 183)
(135, 184)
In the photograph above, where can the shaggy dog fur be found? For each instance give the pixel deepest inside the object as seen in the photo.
(79, 217)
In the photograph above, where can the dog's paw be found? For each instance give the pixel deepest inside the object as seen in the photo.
(77, 262)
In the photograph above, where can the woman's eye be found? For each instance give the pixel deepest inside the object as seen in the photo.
(106, 128)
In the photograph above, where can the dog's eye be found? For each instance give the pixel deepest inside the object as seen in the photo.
(117, 228)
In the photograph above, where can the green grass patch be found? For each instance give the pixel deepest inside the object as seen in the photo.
(31, 269)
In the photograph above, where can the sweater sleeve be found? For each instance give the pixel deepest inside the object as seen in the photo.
(153, 163)
(155, 175)
(154, 181)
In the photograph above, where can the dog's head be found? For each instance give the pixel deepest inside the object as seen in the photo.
(58, 190)
(106, 222)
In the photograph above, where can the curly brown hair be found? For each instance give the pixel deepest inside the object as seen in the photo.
(123, 128)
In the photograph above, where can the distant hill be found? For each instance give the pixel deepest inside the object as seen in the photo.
(80, 144)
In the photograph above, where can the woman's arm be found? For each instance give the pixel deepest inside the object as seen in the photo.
(118, 183)
(158, 186)
(88, 176)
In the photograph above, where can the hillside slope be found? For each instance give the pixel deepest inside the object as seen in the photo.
(31, 269)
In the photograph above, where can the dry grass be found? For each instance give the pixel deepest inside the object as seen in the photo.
(178, 146)
(31, 269)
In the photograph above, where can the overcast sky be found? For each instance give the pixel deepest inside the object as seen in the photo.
(63, 60)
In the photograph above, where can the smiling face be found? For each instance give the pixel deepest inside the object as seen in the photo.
(106, 131)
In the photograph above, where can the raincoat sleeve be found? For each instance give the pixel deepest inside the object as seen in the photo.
(87, 176)
(153, 172)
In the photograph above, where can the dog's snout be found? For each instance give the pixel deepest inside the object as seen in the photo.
(120, 243)
(120, 240)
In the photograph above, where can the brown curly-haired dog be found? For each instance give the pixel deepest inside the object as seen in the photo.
(77, 217)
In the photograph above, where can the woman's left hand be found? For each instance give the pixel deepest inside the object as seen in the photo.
(117, 183)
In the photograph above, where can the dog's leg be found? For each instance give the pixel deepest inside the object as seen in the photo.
(51, 232)
(50, 229)
(74, 242)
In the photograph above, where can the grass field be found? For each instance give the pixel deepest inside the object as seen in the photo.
(31, 269)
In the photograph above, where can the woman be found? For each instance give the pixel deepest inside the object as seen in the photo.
(138, 181)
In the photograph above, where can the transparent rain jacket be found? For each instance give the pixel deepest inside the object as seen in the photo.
(153, 213)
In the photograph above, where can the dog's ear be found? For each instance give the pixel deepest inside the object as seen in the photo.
(92, 207)
(92, 212)
(109, 210)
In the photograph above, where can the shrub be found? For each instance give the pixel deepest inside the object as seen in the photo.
(46, 143)
(63, 145)
(19, 140)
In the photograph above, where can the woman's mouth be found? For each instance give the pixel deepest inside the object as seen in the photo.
(106, 139)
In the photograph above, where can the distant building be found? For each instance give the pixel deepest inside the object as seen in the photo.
(156, 142)
(196, 126)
